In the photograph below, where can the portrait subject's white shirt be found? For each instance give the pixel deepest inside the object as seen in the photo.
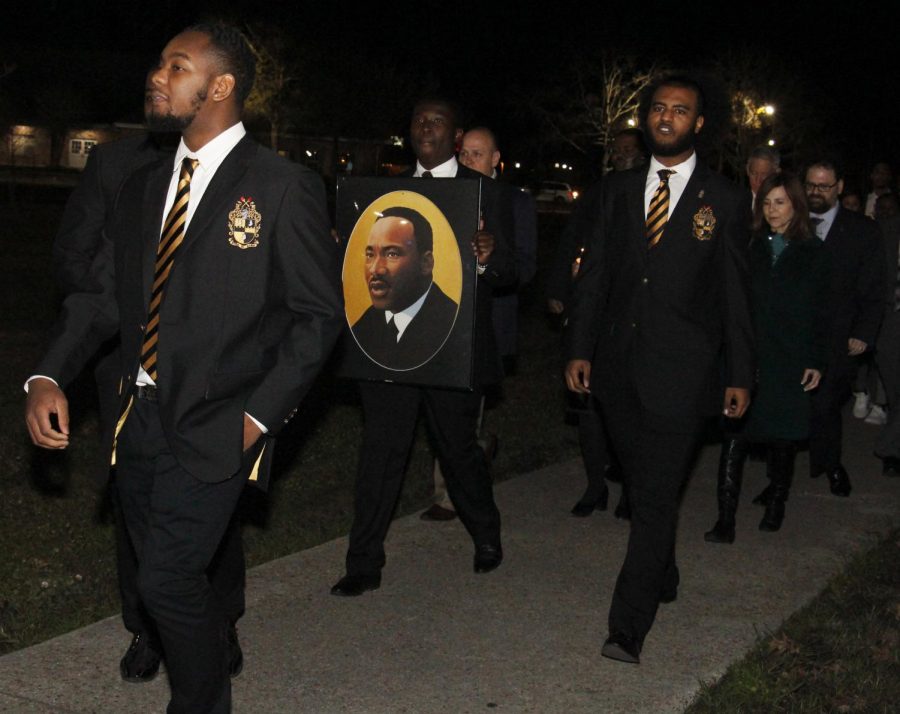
(404, 317)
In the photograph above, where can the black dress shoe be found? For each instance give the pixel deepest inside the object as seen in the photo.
(722, 532)
(436, 512)
(235, 653)
(487, 557)
(839, 481)
(623, 509)
(891, 467)
(141, 661)
(621, 647)
(356, 585)
(586, 507)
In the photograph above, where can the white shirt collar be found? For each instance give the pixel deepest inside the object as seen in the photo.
(824, 226)
(677, 181)
(404, 317)
(445, 170)
(213, 152)
(684, 169)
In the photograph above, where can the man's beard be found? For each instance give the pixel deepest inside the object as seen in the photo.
(679, 146)
(817, 204)
(172, 123)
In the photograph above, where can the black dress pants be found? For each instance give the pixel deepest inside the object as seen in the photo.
(176, 524)
(656, 454)
(390, 412)
(826, 426)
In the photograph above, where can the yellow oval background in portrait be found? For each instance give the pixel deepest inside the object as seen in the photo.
(447, 261)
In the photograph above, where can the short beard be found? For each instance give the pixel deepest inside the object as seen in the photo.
(817, 204)
(163, 123)
(674, 149)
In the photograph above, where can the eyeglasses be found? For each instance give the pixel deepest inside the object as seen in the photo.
(820, 187)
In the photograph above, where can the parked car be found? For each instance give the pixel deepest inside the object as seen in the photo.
(556, 192)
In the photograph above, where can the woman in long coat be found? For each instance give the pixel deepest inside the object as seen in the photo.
(789, 282)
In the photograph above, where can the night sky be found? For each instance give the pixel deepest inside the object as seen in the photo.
(843, 55)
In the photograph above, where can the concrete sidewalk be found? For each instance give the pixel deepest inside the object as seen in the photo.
(526, 638)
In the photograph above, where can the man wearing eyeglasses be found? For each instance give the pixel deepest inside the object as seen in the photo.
(856, 303)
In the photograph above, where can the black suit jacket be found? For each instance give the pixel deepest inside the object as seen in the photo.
(672, 322)
(856, 297)
(422, 338)
(241, 330)
(80, 231)
(500, 273)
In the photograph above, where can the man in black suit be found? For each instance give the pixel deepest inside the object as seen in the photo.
(887, 356)
(856, 304)
(480, 153)
(390, 410)
(410, 317)
(661, 298)
(79, 239)
(219, 275)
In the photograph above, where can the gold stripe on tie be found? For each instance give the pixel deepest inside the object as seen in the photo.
(658, 211)
(171, 240)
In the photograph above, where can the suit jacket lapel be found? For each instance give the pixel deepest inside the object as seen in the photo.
(210, 207)
(635, 208)
(155, 193)
(693, 195)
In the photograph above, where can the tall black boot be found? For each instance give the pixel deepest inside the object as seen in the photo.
(731, 470)
(781, 473)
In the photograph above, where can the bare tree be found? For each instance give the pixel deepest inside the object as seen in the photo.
(275, 74)
(601, 99)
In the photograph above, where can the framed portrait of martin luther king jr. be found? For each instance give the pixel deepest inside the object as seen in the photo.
(409, 279)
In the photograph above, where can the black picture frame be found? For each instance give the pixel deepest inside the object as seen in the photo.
(439, 349)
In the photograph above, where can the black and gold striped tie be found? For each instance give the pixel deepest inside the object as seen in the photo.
(658, 212)
(169, 242)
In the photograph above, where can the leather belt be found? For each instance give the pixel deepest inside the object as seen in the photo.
(146, 391)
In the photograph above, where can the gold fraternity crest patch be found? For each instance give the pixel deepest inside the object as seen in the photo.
(704, 223)
(244, 224)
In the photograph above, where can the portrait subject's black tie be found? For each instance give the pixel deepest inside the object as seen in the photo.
(658, 212)
(393, 329)
(427, 174)
(169, 242)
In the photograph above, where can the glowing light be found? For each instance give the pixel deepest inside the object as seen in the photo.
(631, 122)
(769, 109)
(771, 142)
(518, 165)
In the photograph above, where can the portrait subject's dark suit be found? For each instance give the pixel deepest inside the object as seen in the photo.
(421, 339)
(241, 331)
(855, 307)
(391, 412)
(666, 330)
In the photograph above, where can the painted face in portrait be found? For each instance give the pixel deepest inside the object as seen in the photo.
(397, 273)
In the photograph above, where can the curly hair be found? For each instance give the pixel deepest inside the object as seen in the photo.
(232, 53)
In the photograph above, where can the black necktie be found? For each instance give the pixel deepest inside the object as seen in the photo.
(427, 174)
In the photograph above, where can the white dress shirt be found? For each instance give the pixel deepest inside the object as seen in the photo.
(827, 221)
(677, 181)
(211, 155)
(445, 170)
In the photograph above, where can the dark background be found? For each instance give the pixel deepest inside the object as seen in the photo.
(90, 57)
